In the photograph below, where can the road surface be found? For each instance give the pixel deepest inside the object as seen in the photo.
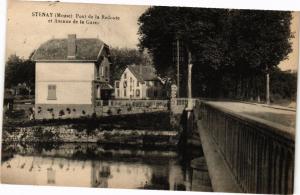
(275, 114)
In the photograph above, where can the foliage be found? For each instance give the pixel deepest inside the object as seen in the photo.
(19, 70)
(284, 84)
(231, 49)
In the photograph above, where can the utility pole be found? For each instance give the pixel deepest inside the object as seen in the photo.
(190, 65)
(178, 58)
(267, 85)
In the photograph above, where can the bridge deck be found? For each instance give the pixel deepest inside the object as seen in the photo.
(274, 116)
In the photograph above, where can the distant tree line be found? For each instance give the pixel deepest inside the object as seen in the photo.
(232, 50)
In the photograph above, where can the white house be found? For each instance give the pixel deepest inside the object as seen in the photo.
(71, 75)
(138, 82)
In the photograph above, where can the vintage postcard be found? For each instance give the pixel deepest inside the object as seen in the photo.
(150, 97)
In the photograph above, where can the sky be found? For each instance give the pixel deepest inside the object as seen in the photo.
(25, 33)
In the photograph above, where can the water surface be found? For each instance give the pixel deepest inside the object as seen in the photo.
(91, 165)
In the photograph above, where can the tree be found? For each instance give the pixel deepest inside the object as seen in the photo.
(259, 46)
(283, 85)
(198, 31)
(234, 46)
(19, 71)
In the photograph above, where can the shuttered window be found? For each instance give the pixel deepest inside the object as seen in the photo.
(51, 92)
(137, 93)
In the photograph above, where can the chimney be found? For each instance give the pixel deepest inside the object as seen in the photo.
(71, 46)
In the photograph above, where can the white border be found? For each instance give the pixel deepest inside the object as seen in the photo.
(238, 4)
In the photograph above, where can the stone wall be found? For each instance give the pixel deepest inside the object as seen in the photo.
(56, 111)
(113, 107)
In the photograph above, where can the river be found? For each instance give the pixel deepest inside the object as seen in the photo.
(93, 165)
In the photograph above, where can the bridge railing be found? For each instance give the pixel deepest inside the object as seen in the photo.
(259, 154)
(184, 101)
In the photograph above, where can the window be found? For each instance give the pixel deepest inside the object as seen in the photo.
(137, 93)
(106, 71)
(51, 92)
(137, 83)
(118, 93)
(155, 93)
(102, 73)
(97, 71)
(125, 93)
(125, 84)
(125, 76)
(98, 92)
(117, 84)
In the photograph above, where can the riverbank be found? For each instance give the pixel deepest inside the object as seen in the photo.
(157, 120)
(140, 130)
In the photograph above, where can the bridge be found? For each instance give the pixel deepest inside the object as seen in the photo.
(247, 147)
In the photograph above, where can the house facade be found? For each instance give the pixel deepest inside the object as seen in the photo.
(138, 82)
(71, 75)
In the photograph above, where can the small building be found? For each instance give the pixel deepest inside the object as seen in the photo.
(72, 74)
(139, 82)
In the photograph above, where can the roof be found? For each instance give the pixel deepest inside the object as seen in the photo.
(143, 73)
(106, 86)
(87, 49)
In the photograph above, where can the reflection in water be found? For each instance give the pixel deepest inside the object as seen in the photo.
(108, 169)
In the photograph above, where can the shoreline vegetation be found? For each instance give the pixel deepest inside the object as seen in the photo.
(146, 129)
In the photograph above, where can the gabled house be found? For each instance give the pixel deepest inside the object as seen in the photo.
(138, 82)
(71, 75)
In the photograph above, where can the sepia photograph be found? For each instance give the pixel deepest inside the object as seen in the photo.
(150, 97)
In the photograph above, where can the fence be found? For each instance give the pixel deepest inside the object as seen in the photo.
(259, 155)
(184, 101)
(134, 103)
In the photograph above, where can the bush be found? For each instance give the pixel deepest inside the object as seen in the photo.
(119, 111)
(61, 113)
(68, 110)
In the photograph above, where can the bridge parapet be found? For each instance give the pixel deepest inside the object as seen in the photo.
(179, 104)
(258, 153)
